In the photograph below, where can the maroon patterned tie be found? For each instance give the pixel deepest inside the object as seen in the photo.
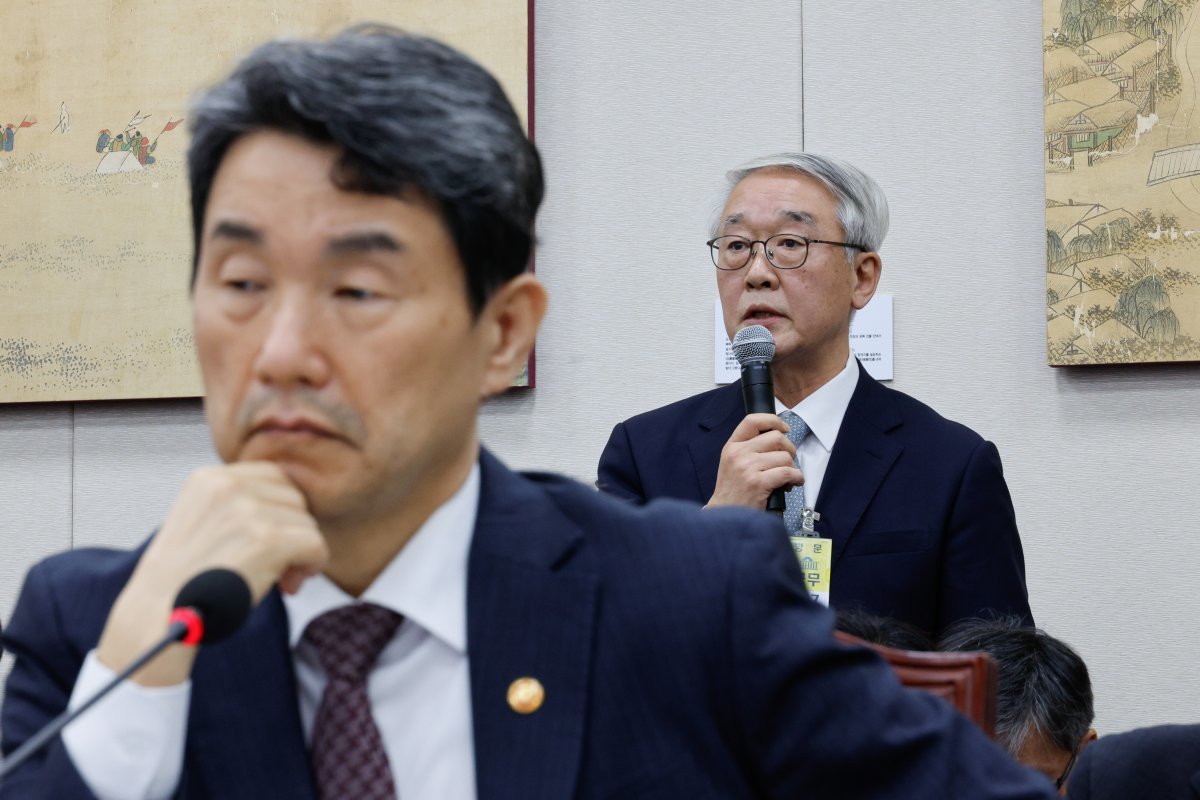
(348, 756)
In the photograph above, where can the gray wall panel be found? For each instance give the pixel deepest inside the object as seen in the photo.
(130, 460)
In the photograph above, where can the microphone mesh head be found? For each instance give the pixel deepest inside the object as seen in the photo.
(753, 343)
(222, 599)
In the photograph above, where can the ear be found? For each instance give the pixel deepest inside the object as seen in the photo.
(512, 316)
(867, 269)
(1088, 738)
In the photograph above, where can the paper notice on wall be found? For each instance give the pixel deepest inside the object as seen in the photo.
(870, 339)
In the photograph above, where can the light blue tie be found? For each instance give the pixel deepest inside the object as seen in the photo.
(793, 517)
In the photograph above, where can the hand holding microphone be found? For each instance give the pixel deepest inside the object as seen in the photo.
(758, 463)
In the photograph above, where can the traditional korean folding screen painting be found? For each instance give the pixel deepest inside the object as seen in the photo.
(95, 249)
(1122, 155)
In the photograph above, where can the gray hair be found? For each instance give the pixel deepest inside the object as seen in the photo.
(1042, 684)
(862, 206)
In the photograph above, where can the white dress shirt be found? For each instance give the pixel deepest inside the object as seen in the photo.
(130, 746)
(822, 411)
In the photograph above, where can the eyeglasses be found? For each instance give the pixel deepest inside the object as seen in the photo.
(784, 250)
(1066, 773)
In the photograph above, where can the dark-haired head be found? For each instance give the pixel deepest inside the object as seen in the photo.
(1044, 706)
(407, 114)
(885, 631)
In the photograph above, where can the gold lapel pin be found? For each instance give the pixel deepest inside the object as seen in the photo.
(525, 695)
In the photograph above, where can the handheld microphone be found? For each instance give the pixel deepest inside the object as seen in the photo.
(754, 347)
(209, 607)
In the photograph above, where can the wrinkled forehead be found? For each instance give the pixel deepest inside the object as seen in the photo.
(777, 199)
(784, 217)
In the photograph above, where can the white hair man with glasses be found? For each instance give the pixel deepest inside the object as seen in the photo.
(914, 506)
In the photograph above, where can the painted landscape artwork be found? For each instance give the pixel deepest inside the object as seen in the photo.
(95, 230)
(1122, 157)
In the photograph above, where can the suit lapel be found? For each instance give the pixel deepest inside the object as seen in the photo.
(717, 420)
(245, 735)
(1196, 784)
(861, 458)
(531, 607)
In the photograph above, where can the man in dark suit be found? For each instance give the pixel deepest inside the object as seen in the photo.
(1161, 762)
(920, 518)
(429, 624)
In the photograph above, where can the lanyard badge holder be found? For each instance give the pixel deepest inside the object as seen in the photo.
(815, 555)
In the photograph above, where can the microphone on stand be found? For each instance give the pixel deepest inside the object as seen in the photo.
(209, 608)
(754, 347)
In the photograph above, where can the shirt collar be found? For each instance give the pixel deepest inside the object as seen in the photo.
(824, 409)
(426, 582)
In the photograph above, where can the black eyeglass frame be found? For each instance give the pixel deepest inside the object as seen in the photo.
(1066, 773)
(712, 249)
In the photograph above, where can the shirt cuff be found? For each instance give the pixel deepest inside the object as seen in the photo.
(129, 746)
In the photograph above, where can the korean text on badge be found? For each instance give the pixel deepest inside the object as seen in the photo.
(816, 556)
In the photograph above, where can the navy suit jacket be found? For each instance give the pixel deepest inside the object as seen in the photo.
(1162, 763)
(921, 520)
(680, 655)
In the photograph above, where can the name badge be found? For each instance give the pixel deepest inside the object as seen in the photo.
(816, 557)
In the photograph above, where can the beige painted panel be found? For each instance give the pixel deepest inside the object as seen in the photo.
(95, 256)
(1121, 156)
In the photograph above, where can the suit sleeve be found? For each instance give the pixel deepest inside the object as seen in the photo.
(123, 738)
(617, 474)
(984, 570)
(823, 720)
(38, 690)
(1162, 761)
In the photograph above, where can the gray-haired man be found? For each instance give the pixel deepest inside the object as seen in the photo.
(914, 506)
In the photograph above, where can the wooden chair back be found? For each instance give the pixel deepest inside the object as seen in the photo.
(966, 681)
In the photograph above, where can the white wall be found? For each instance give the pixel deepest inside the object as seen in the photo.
(639, 112)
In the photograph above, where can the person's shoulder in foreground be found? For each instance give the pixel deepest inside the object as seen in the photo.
(61, 611)
(1162, 763)
(715, 674)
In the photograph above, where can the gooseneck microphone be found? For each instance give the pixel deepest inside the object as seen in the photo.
(754, 347)
(212, 606)
(209, 608)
